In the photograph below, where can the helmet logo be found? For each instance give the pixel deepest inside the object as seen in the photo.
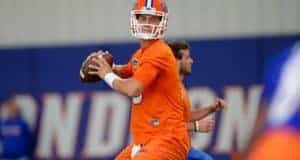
(135, 63)
(163, 6)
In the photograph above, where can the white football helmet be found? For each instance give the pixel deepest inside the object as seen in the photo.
(149, 7)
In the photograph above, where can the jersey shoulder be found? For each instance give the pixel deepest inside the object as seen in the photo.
(161, 49)
(160, 55)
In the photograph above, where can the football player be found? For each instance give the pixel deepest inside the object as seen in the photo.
(197, 119)
(151, 79)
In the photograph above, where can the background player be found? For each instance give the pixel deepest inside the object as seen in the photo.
(198, 121)
(16, 138)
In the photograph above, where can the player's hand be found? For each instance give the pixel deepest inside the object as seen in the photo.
(206, 124)
(218, 105)
(101, 67)
(93, 54)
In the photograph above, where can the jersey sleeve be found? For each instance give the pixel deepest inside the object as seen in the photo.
(153, 64)
(159, 59)
(126, 70)
(146, 74)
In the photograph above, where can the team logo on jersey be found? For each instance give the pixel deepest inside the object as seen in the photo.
(155, 122)
(135, 64)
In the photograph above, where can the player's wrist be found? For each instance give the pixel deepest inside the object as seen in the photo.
(110, 77)
(196, 126)
(114, 66)
(213, 109)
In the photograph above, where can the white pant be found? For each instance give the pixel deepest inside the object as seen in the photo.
(135, 150)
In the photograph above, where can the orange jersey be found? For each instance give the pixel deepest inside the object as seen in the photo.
(276, 145)
(161, 109)
(187, 105)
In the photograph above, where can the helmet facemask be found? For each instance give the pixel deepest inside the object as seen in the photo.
(154, 31)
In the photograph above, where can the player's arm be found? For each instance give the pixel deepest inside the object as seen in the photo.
(202, 112)
(122, 70)
(117, 68)
(132, 87)
(204, 125)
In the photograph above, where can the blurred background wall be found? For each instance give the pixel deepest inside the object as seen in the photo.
(43, 43)
(34, 22)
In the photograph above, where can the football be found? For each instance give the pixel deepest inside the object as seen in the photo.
(85, 77)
